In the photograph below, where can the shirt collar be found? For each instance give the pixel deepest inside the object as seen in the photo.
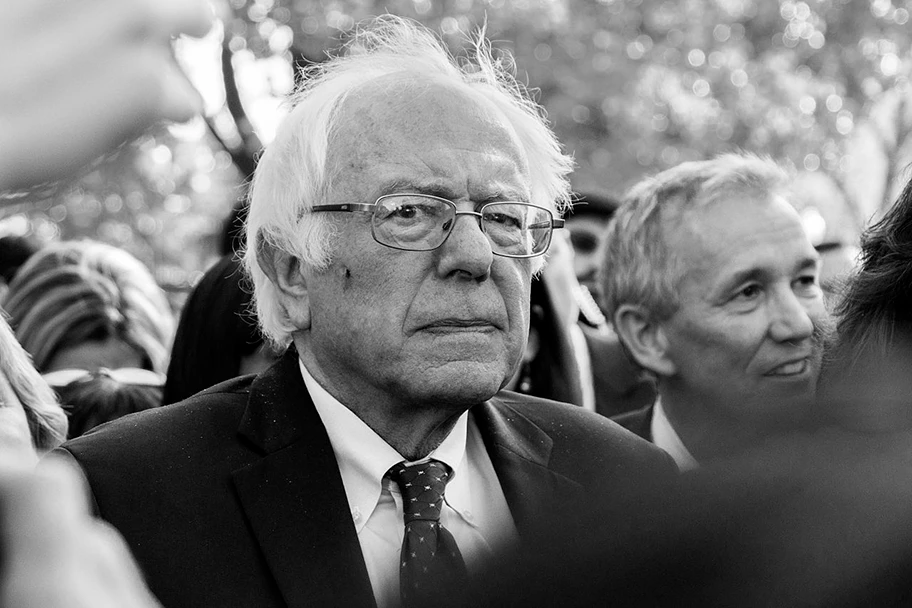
(664, 436)
(364, 457)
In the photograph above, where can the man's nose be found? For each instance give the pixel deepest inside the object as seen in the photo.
(791, 317)
(467, 250)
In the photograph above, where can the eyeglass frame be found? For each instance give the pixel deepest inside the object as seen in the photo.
(555, 222)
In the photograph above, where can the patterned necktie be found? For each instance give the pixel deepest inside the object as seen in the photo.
(431, 569)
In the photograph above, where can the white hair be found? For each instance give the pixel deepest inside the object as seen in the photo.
(637, 265)
(291, 176)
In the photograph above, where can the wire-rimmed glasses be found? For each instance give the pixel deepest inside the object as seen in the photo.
(421, 222)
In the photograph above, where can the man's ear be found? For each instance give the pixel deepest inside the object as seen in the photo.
(644, 338)
(286, 273)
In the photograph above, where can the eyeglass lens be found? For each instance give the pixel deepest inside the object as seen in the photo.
(422, 223)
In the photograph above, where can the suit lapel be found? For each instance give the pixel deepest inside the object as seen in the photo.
(520, 452)
(293, 496)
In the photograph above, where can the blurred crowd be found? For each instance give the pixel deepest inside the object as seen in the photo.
(632, 399)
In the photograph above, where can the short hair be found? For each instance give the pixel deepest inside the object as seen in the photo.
(637, 267)
(291, 176)
(78, 291)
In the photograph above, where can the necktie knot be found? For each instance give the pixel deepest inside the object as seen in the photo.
(422, 486)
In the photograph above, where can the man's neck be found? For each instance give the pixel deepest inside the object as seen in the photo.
(413, 430)
(411, 436)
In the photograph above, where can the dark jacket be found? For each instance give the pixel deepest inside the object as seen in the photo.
(234, 498)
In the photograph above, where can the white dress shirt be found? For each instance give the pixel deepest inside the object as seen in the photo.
(664, 436)
(475, 510)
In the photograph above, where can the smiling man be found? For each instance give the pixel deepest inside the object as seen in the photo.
(395, 226)
(713, 287)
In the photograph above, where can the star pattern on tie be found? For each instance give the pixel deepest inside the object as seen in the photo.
(431, 561)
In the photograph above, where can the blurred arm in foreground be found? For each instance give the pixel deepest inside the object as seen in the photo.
(56, 555)
(81, 78)
(119, 78)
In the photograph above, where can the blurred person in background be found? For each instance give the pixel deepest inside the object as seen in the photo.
(217, 337)
(87, 305)
(555, 363)
(102, 395)
(712, 284)
(867, 380)
(617, 382)
(816, 515)
(14, 251)
(586, 223)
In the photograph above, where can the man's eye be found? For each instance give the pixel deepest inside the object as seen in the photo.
(406, 212)
(749, 292)
(807, 282)
(503, 219)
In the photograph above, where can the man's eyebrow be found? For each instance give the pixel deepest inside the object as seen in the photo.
(397, 186)
(402, 185)
(496, 194)
(746, 275)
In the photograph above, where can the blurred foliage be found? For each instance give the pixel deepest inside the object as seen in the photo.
(631, 87)
(162, 198)
(641, 85)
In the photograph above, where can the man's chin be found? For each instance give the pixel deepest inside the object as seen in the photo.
(461, 383)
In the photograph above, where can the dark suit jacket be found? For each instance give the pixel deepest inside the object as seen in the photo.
(234, 498)
(638, 421)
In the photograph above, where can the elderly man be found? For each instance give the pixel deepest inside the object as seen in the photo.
(713, 287)
(395, 225)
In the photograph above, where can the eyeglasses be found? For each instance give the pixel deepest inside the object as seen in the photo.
(124, 375)
(421, 222)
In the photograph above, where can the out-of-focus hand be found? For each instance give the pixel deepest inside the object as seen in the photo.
(78, 78)
(54, 554)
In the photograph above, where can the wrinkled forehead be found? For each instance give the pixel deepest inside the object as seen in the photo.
(704, 210)
(746, 230)
(411, 111)
(403, 99)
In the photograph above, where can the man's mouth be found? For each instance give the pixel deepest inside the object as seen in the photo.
(792, 368)
(460, 324)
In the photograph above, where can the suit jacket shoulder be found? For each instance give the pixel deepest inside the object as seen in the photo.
(164, 444)
(582, 438)
(162, 477)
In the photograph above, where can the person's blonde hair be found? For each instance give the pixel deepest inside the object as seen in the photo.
(46, 419)
(76, 291)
